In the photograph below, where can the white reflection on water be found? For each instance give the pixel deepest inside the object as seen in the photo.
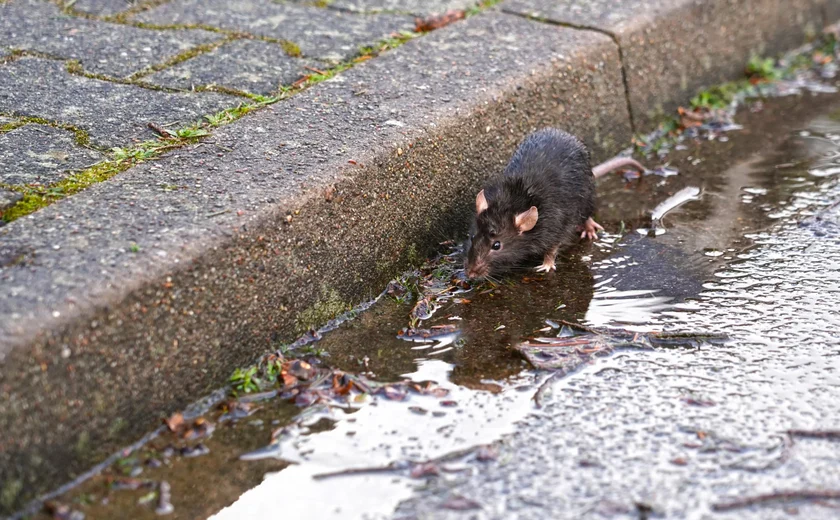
(379, 433)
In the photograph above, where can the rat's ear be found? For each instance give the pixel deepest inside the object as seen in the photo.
(526, 220)
(480, 203)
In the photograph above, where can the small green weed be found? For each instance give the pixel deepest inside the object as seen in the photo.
(719, 96)
(763, 68)
(192, 133)
(245, 380)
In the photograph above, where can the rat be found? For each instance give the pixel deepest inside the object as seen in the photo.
(544, 200)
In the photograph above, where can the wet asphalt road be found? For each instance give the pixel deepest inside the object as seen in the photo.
(684, 432)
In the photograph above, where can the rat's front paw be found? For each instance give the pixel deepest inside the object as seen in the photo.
(590, 229)
(546, 267)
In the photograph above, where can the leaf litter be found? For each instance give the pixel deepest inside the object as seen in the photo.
(436, 21)
(712, 112)
(576, 345)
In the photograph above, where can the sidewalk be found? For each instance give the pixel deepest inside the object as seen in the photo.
(139, 293)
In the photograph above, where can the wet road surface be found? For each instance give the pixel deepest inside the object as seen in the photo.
(677, 432)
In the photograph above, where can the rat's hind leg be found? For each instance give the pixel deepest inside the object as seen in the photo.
(590, 229)
(548, 261)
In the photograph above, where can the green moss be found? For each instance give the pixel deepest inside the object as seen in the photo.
(8, 127)
(481, 6)
(392, 42)
(328, 307)
(227, 90)
(232, 114)
(81, 136)
(36, 197)
(181, 57)
(136, 8)
(290, 48)
(171, 26)
(9, 494)
(82, 446)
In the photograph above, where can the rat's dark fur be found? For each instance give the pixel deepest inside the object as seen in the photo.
(550, 170)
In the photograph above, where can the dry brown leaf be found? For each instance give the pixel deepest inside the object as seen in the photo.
(175, 422)
(424, 469)
(289, 380)
(436, 21)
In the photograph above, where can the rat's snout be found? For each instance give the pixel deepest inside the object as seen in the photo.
(477, 270)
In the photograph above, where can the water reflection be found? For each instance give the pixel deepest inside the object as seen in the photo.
(378, 434)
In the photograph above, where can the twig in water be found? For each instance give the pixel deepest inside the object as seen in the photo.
(359, 471)
(399, 465)
(815, 434)
(781, 496)
(578, 326)
(544, 386)
(784, 456)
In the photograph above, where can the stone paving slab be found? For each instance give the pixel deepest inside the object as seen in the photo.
(248, 65)
(42, 154)
(415, 7)
(102, 48)
(679, 46)
(320, 33)
(424, 124)
(114, 114)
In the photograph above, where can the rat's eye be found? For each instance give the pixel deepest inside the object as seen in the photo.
(497, 245)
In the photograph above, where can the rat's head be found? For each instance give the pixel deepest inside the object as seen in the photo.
(497, 238)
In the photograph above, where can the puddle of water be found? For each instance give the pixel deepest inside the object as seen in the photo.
(681, 432)
(643, 283)
(377, 435)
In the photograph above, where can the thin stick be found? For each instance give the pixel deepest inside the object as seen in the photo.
(313, 69)
(358, 471)
(163, 132)
(815, 434)
(398, 465)
(782, 496)
(578, 326)
(544, 386)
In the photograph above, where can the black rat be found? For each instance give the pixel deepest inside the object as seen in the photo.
(543, 201)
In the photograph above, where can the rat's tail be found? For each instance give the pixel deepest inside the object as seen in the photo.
(614, 163)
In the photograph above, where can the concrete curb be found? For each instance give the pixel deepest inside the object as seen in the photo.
(295, 212)
(670, 50)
